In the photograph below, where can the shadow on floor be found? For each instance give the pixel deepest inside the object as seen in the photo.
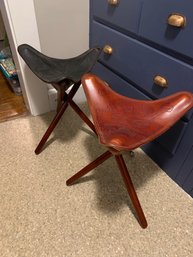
(111, 191)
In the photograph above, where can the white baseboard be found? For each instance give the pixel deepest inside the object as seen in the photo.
(52, 95)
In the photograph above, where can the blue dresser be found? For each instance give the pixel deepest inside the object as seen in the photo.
(148, 54)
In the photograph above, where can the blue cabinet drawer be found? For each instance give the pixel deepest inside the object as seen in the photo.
(118, 84)
(185, 176)
(125, 15)
(154, 24)
(172, 138)
(140, 63)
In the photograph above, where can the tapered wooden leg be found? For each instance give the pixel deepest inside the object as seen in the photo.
(131, 190)
(61, 93)
(89, 167)
(56, 118)
(82, 115)
(51, 127)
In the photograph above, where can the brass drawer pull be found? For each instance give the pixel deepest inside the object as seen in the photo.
(177, 20)
(107, 49)
(113, 2)
(160, 81)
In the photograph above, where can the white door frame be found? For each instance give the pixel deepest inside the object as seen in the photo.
(21, 27)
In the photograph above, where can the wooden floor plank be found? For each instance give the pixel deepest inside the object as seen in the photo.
(11, 105)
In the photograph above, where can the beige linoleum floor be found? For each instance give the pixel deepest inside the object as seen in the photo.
(41, 217)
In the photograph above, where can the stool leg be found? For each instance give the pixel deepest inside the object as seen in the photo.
(131, 190)
(51, 127)
(82, 115)
(61, 93)
(89, 167)
(56, 118)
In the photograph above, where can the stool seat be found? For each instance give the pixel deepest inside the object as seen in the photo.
(54, 70)
(61, 74)
(124, 123)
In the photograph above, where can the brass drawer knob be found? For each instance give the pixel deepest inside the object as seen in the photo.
(177, 20)
(113, 2)
(160, 81)
(107, 49)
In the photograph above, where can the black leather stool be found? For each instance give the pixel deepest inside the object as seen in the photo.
(61, 74)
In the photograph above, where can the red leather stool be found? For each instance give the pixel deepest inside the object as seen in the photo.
(123, 124)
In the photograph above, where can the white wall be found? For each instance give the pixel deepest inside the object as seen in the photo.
(63, 26)
(21, 27)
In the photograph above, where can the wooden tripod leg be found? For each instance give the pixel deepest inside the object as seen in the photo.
(131, 190)
(89, 167)
(57, 117)
(82, 115)
(51, 127)
(61, 93)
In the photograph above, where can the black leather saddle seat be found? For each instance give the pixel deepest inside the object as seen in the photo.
(124, 123)
(54, 70)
